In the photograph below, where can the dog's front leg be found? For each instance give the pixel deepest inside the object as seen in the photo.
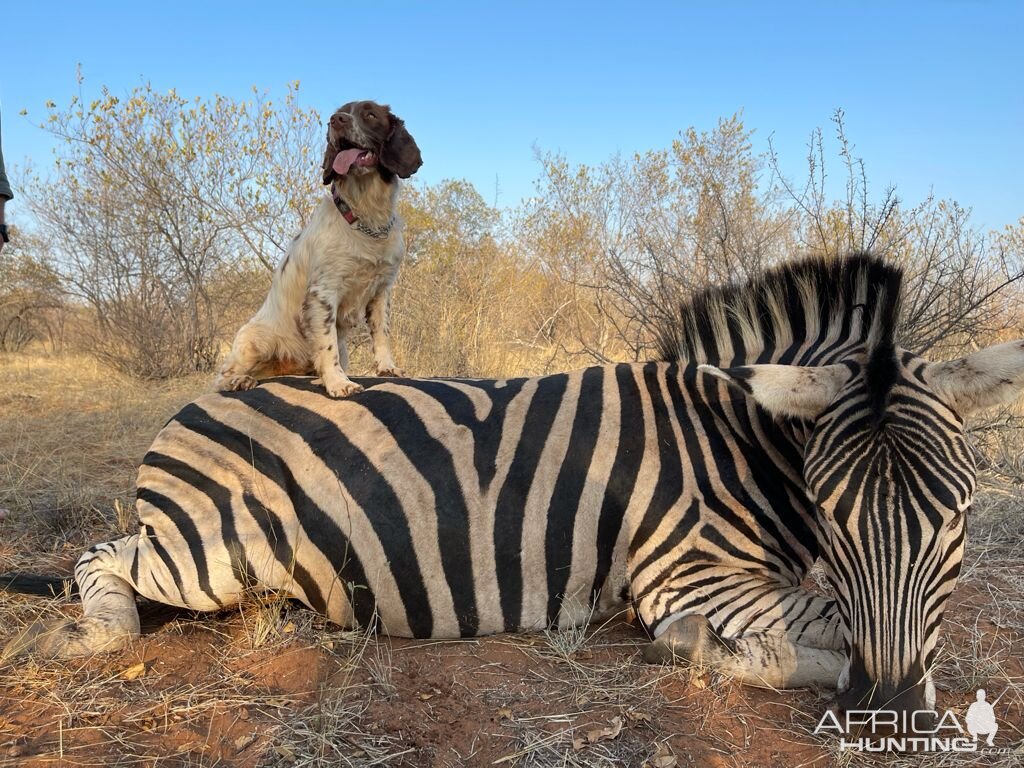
(320, 310)
(377, 321)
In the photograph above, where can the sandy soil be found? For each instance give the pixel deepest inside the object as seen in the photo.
(193, 691)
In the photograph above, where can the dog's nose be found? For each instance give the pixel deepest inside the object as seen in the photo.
(339, 119)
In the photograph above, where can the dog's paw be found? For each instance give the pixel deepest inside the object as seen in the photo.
(340, 385)
(235, 383)
(344, 390)
(390, 371)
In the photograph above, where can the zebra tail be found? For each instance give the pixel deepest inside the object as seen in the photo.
(43, 586)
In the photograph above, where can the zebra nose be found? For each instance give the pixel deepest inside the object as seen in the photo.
(887, 711)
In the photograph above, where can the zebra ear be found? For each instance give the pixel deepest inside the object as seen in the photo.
(786, 390)
(991, 376)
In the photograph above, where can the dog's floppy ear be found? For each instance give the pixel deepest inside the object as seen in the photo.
(399, 153)
(329, 154)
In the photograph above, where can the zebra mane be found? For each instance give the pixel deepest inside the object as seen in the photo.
(804, 312)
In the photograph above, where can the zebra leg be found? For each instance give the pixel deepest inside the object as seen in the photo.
(185, 559)
(759, 657)
(110, 620)
(787, 637)
(110, 575)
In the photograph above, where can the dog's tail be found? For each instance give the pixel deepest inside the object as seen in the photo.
(43, 586)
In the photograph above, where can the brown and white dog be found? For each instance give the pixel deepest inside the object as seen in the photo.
(341, 267)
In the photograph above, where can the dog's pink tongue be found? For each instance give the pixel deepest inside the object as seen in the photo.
(344, 159)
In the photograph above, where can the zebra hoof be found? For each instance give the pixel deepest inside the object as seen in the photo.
(686, 639)
(39, 637)
(65, 639)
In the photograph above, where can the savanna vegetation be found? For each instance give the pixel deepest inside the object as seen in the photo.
(153, 236)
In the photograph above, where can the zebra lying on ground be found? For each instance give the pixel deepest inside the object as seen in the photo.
(783, 425)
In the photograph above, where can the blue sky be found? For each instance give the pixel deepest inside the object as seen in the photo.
(933, 91)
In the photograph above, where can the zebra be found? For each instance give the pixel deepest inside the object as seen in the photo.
(781, 426)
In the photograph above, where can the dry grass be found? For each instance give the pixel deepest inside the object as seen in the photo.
(271, 684)
(72, 433)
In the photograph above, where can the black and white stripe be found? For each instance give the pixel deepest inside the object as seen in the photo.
(447, 507)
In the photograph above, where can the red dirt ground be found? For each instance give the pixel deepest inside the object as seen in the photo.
(317, 696)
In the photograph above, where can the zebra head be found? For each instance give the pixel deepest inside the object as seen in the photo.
(889, 468)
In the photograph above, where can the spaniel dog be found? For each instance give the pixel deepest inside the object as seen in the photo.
(341, 267)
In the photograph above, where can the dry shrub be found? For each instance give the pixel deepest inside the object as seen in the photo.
(153, 199)
(32, 307)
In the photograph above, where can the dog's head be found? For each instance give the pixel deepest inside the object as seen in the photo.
(365, 137)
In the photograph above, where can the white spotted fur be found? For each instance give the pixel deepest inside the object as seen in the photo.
(331, 269)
